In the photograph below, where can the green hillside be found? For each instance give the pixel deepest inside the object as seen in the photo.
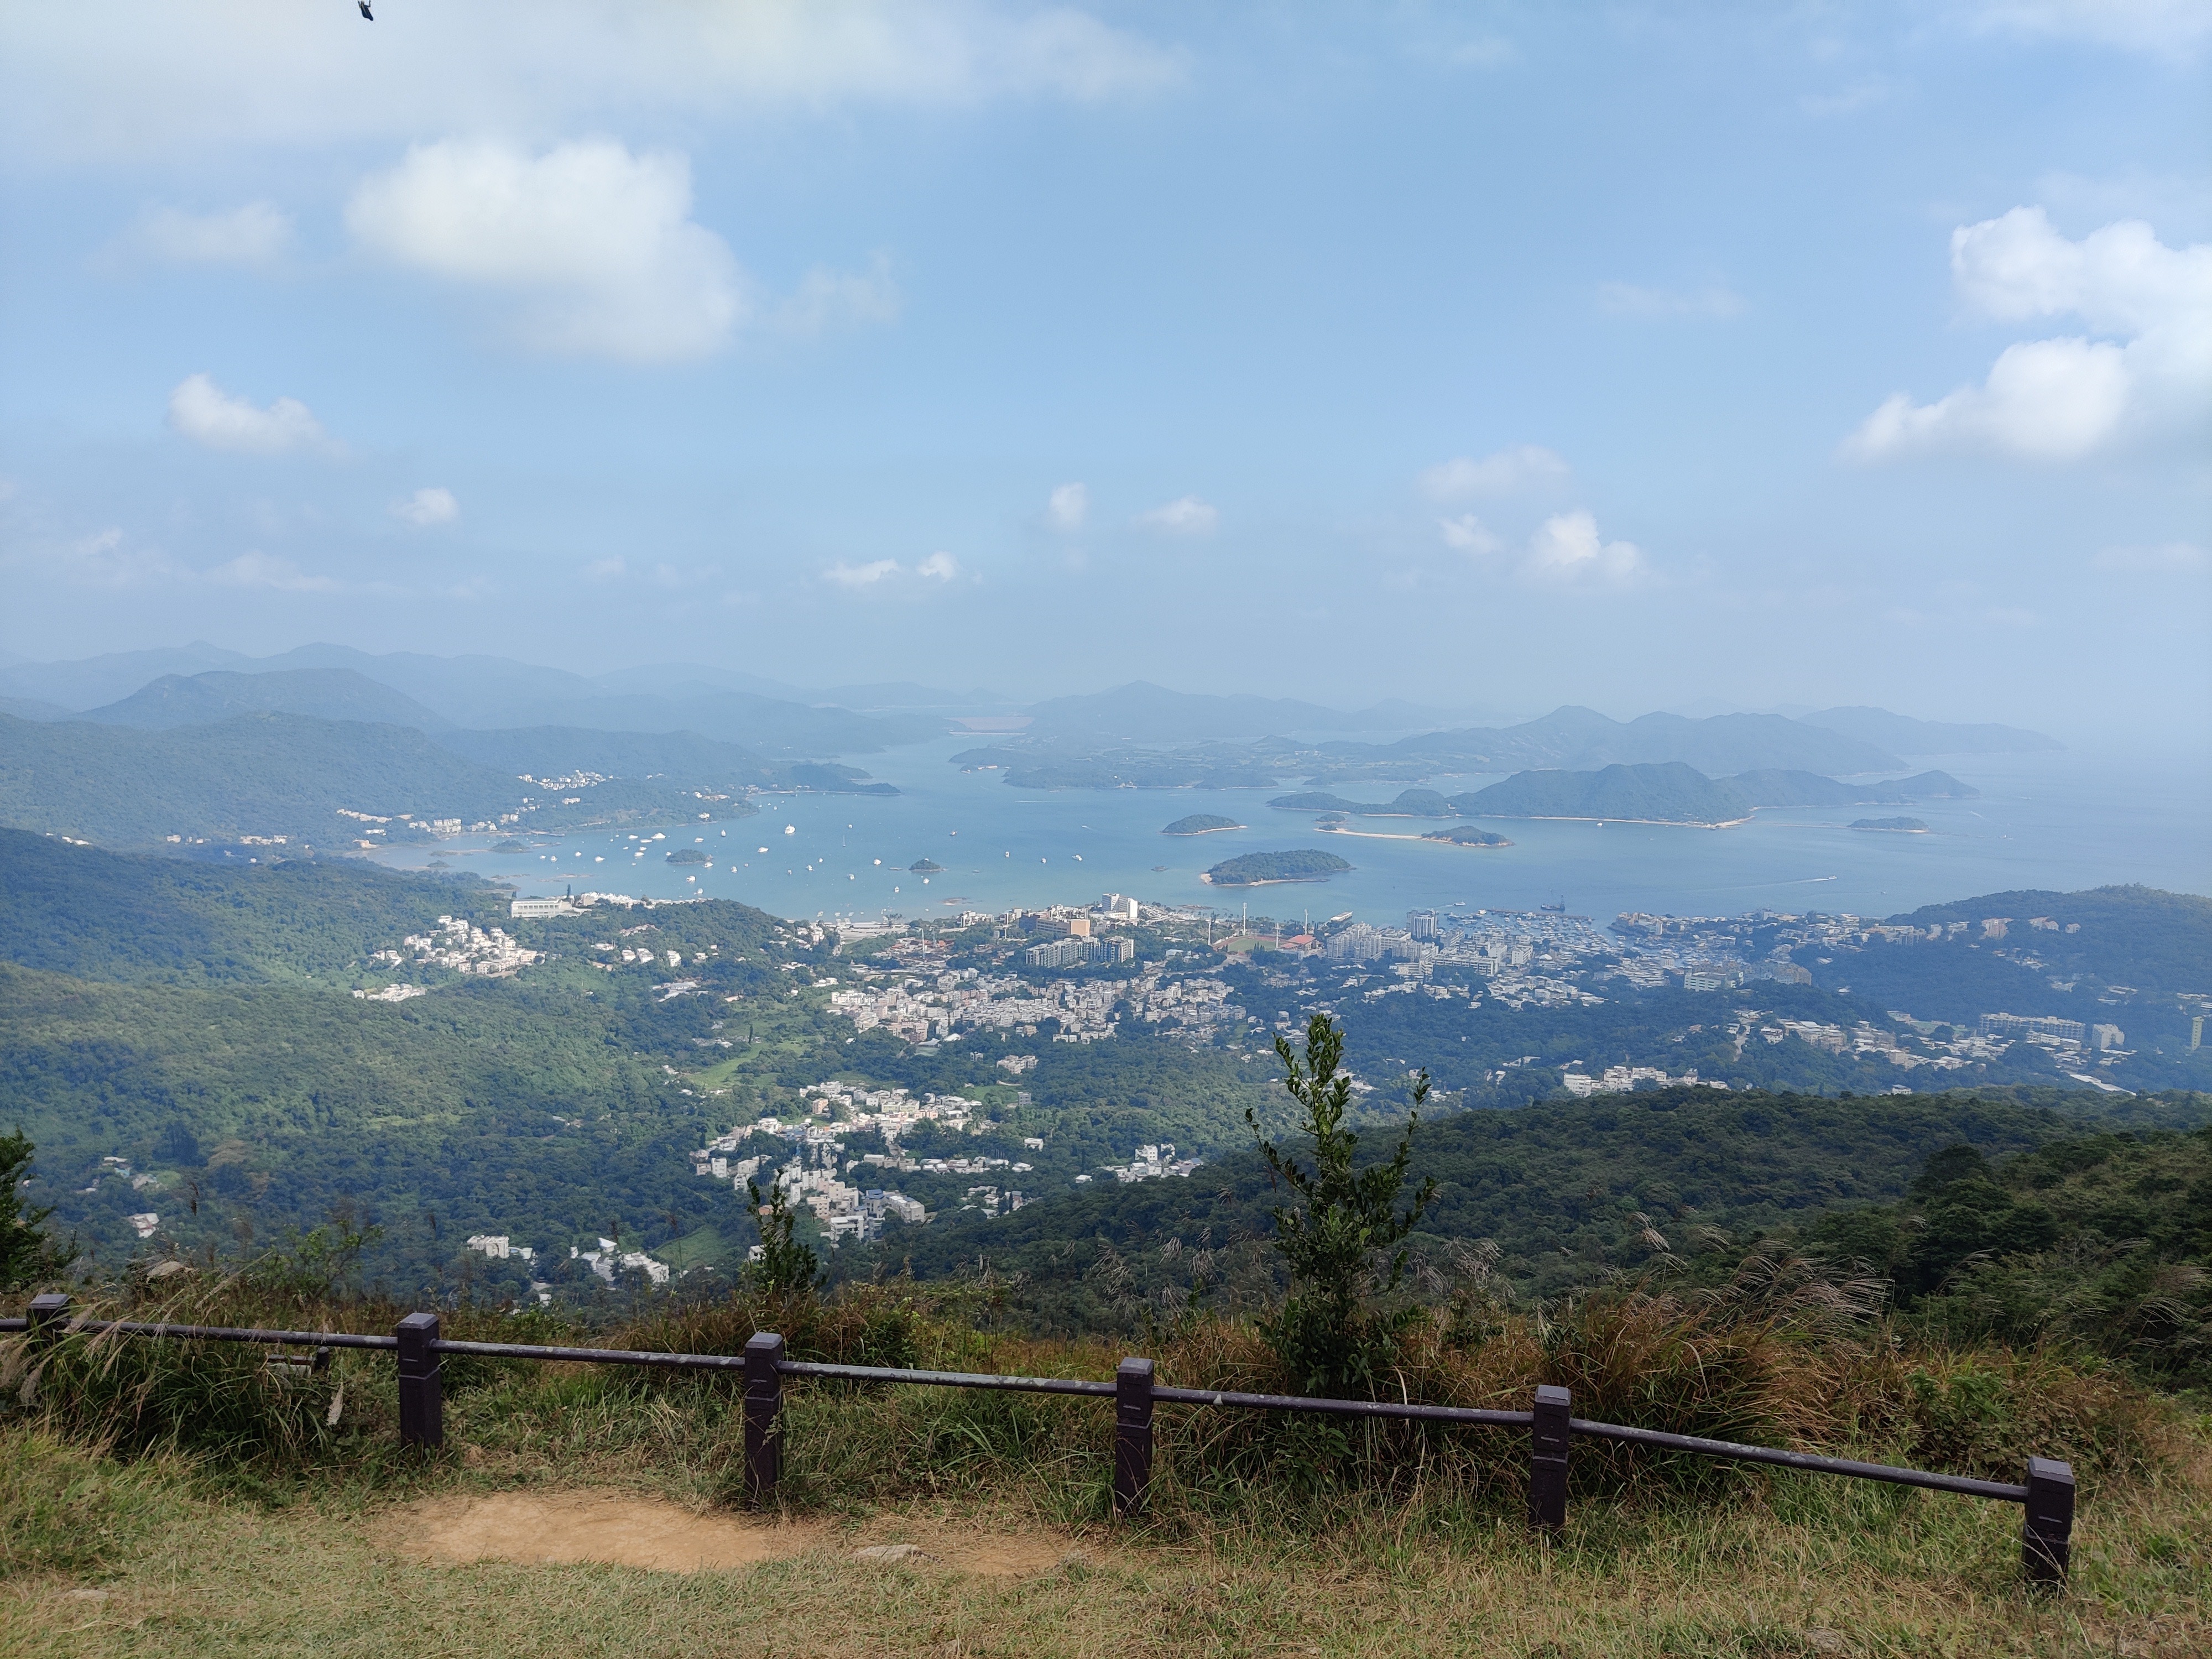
(1665, 792)
(267, 775)
(258, 774)
(329, 694)
(1200, 823)
(1564, 1192)
(100, 915)
(2104, 1240)
(1253, 868)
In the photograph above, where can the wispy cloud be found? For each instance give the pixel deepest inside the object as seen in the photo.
(75, 83)
(1068, 506)
(1468, 534)
(2168, 29)
(258, 570)
(2163, 558)
(1567, 549)
(202, 411)
(259, 234)
(828, 300)
(427, 507)
(1186, 515)
(854, 578)
(939, 567)
(1505, 472)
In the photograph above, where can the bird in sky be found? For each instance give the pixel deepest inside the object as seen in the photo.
(365, 11)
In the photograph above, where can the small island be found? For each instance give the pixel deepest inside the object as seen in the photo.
(1262, 869)
(926, 867)
(1895, 826)
(687, 855)
(1200, 823)
(510, 845)
(1409, 803)
(1466, 835)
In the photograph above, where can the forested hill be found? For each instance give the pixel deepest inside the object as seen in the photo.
(2139, 938)
(1565, 1190)
(311, 781)
(258, 774)
(101, 916)
(1662, 792)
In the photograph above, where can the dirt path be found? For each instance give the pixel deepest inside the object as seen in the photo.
(627, 1530)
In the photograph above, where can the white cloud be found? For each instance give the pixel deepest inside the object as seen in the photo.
(257, 233)
(1186, 515)
(202, 411)
(150, 79)
(1468, 534)
(942, 567)
(856, 578)
(2170, 29)
(605, 570)
(1627, 300)
(2181, 558)
(831, 299)
(427, 508)
(1068, 506)
(258, 570)
(1507, 471)
(106, 559)
(2060, 399)
(596, 244)
(1566, 548)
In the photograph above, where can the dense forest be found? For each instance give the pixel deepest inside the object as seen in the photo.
(1565, 1195)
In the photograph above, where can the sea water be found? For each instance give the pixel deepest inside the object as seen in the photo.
(2061, 821)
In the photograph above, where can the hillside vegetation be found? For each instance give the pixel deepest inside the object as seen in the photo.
(1251, 869)
(1560, 1197)
(258, 774)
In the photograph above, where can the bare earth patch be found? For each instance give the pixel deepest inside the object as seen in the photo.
(626, 1529)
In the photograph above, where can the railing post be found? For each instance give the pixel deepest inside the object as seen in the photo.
(1133, 1436)
(422, 1394)
(49, 1318)
(1548, 1459)
(2046, 1539)
(764, 1414)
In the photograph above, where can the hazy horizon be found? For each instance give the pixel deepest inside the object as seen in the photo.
(1492, 358)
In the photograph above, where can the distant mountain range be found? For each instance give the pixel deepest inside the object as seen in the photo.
(1673, 793)
(194, 684)
(1143, 713)
(1908, 736)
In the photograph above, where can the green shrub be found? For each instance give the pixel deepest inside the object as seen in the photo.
(1331, 1334)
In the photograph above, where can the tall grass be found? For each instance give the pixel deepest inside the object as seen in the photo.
(1650, 1359)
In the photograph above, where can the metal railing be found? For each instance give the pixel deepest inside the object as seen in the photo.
(2046, 1495)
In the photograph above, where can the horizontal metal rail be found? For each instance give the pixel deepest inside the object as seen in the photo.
(949, 1379)
(231, 1333)
(2048, 1496)
(1298, 1402)
(701, 1362)
(1806, 1461)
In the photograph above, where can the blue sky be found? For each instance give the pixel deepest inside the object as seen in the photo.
(1490, 356)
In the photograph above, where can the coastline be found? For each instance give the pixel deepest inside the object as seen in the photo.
(1192, 835)
(1267, 881)
(1667, 823)
(1433, 841)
